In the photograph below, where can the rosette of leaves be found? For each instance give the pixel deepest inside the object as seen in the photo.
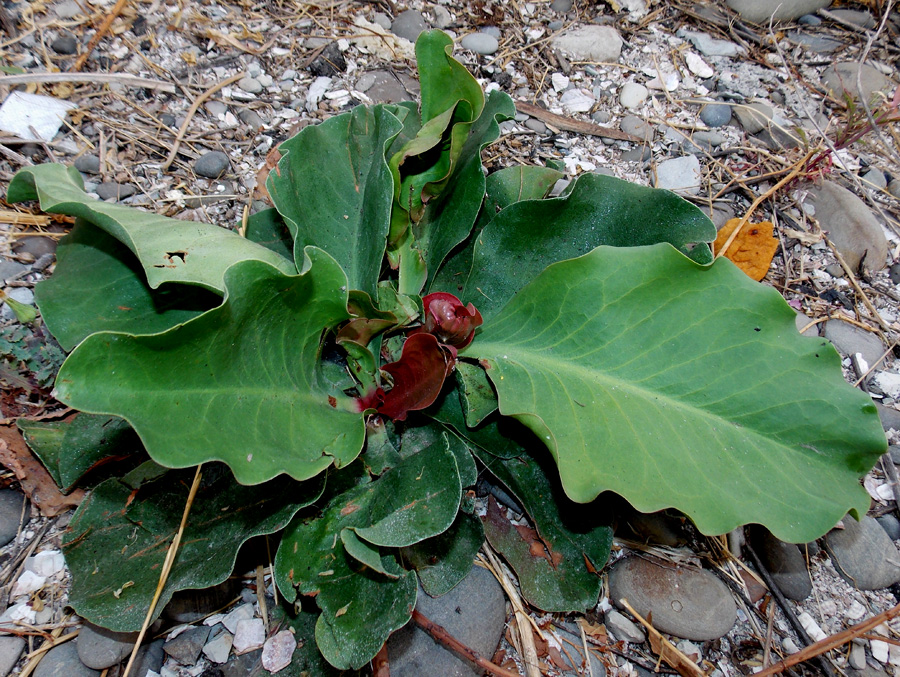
(399, 320)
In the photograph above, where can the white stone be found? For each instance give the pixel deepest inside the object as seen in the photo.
(577, 101)
(789, 645)
(698, 66)
(667, 81)
(249, 635)
(590, 43)
(880, 650)
(623, 628)
(242, 613)
(28, 583)
(560, 82)
(889, 382)
(46, 563)
(680, 175)
(633, 95)
(710, 46)
(218, 649)
(278, 650)
(22, 111)
(812, 628)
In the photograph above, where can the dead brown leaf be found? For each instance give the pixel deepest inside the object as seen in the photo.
(34, 478)
(260, 192)
(753, 248)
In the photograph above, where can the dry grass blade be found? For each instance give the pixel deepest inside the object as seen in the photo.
(166, 568)
(36, 656)
(96, 78)
(665, 649)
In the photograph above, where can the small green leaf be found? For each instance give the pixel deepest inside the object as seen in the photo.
(267, 228)
(528, 236)
(444, 80)
(99, 285)
(662, 380)
(443, 561)
(369, 555)
(70, 448)
(118, 538)
(342, 203)
(237, 384)
(558, 566)
(476, 393)
(169, 250)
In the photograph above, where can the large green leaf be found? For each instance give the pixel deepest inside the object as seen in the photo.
(415, 500)
(169, 250)
(99, 285)
(528, 236)
(237, 384)
(444, 80)
(502, 188)
(558, 565)
(678, 385)
(117, 541)
(266, 227)
(72, 447)
(443, 561)
(344, 204)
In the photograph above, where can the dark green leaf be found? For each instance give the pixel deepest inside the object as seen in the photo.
(442, 561)
(528, 236)
(118, 538)
(99, 285)
(267, 228)
(476, 393)
(238, 384)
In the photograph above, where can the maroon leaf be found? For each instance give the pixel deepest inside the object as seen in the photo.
(447, 318)
(418, 376)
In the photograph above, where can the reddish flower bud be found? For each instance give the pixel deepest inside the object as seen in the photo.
(449, 320)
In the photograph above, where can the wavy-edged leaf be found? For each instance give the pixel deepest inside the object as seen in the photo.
(169, 250)
(360, 607)
(71, 447)
(99, 285)
(664, 381)
(418, 437)
(502, 188)
(118, 538)
(266, 227)
(444, 80)
(558, 563)
(340, 202)
(238, 384)
(443, 561)
(528, 236)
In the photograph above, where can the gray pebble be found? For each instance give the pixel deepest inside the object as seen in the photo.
(623, 628)
(561, 6)
(601, 117)
(680, 175)
(890, 417)
(10, 269)
(64, 44)
(88, 164)
(894, 188)
(187, 646)
(250, 85)
(894, 273)
(875, 177)
(62, 661)
(115, 191)
(493, 31)
(68, 9)
(474, 612)
(891, 526)
(632, 124)
(685, 602)
(100, 648)
(849, 340)
(894, 451)
(864, 554)
(481, 43)
(216, 108)
(856, 17)
(167, 119)
(555, 25)
(250, 118)
(754, 117)
(785, 562)
(10, 650)
(716, 114)
(536, 126)
(640, 154)
(212, 164)
(442, 17)
(835, 270)
(382, 20)
(409, 24)
(150, 658)
(365, 82)
(809, 20)
(265, 80)
(289, 74)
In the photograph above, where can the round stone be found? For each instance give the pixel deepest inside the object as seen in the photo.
(212, 164)
(632, 124)
(100, 648)
(864, 554)
(62, 661)
(64, 44)
(88, 164)
(685, 602)
(250, 85)
(482, 43)
(561, 6)
(633, 94)
(409, 24)
(716, 114)
(115, 191)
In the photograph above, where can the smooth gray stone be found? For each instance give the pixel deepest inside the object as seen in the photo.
(100, 648)
(474, 612)
(890, 417)
(754, 117)
(639, 154)
(864, 554)
(875, 177)
(115, 191)
(785, 562)
(894, 189)
(250, 118)
(64, 44)
(88, 164)
(590, 43)
(760, 11)
(36, 245)
(10, 650)
(632, 124)
(9, 269)
(849, 339)
(850, 224)
(536, 126)
(167, 119)
(441, 17)
(841, 79)
(212, 164)
(12, 515)
(891, 526)
(894, 451)
(215, 108)
(62, 661)
(809, 20)
(816, 43)
(708, 45)
(716, 114)
(409, 24)
(480, 43)
(250, 85)
(680, 175)
(855, 16)
(561, 6)
(187, 646)
(150, 657)
(624, 628)
(686, 602)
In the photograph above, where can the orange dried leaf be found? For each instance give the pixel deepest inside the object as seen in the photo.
(752, 249)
